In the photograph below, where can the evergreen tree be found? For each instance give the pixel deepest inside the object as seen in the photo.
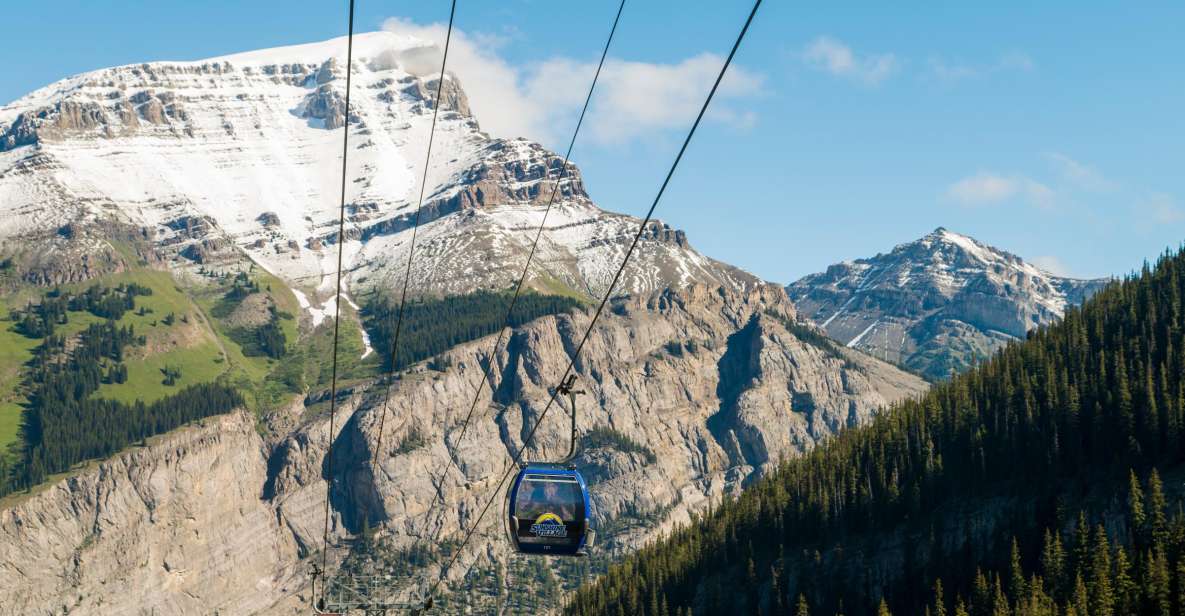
(1080, 601)
(1102, 599)
(1157, 507)
(1125, 586)
(1053, 561)
(800, 607)
(939, 599)
(1016, 579)
(1135, 506)
(1159, 591)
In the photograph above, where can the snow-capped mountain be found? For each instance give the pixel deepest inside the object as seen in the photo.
(936, 304)
(243, 152)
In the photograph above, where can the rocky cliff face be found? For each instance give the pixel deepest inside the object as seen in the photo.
(176, 527)
(937, 304)
(707, 380)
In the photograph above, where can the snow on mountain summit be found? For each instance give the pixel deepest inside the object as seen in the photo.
(243, 152)
(399, 50)
(376, 49)
(936, 304)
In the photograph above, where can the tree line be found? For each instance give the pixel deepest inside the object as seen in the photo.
(432, 326)
(41, 319)
(63, 423)
(936, 488)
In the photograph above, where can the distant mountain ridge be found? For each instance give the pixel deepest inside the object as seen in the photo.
(937, 304)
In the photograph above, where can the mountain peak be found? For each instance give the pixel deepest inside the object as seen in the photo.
(946, 235)
(242, 154)
(942, 301)
(367, 46)
(945, 244)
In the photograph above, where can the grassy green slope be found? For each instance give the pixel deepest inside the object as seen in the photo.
(188, 345)
(200, 346)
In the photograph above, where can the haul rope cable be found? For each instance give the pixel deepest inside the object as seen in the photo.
(600, 308)
(415, 227)
(341, 235)
(485, 374)
(341, 244)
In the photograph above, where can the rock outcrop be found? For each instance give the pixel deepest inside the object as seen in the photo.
(709, 382)
(175, 527)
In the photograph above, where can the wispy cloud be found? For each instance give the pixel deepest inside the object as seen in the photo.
(1017, 61)
(1160, 208)
(1051, 264)
(948, 70)
(833, 56)
(1079, 174)
(1072, 187)
(634, 99)
(989, 188)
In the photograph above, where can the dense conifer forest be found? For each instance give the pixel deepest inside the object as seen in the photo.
(63, 423)
(432, 326)
(40, 319)
(1028, 485)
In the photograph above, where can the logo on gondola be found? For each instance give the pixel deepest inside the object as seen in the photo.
(549, 525)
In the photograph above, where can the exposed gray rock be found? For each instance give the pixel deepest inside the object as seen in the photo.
(269, 219)
(452, 97)
(205, 250)
(173, 528)
(938, 304)
(327, 105)
(706, 378)
(740, 393)
(205, 518)
(252, 311)
(327, 72)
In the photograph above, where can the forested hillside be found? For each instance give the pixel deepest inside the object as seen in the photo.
(433, 325)
(83, 348)
(1011, 489)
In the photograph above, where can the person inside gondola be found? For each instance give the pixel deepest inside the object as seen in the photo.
(541, 499)
(549, 497)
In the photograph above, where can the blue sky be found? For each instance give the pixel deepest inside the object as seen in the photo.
(1054, 131)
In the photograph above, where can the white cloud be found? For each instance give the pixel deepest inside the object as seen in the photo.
(538, 101)
(1161, 208)
(949, 70)
(982, 188)
(634, 98)
(1079, 174)
(1052, 264)
(1017, 61)
(833, 56)
(986, 188)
